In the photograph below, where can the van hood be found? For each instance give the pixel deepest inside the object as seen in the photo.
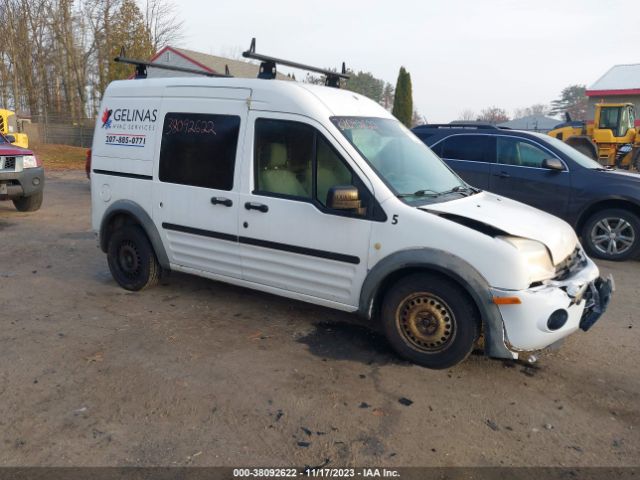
(513, 218)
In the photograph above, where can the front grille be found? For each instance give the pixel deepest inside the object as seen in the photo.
(7, 163)
(571, 264)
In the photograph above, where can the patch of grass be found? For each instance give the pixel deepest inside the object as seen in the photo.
(60, 157)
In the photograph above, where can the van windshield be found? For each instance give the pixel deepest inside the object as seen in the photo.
(412, 171)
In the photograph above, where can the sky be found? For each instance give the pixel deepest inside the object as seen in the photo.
(461, 54)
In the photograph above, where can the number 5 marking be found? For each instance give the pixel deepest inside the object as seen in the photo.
(394, 220)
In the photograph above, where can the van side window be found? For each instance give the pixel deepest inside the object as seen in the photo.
(330, 170)
(293, 159)
(284, 157)
(199, 149)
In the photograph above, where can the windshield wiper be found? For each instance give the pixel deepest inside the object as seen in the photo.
(420, 193)
(466, 189)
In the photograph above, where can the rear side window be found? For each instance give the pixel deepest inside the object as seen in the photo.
(199, 149)
(476, 148)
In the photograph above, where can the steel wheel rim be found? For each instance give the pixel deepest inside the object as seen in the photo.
(426, 322)
(613, 236)
(129, 260)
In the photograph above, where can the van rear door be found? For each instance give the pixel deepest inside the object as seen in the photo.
(196, 200)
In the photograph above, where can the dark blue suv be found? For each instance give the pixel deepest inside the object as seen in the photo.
(602, 204)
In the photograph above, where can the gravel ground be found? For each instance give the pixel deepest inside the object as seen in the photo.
(195, 372)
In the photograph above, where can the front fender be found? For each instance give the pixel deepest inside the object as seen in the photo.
(451, 266)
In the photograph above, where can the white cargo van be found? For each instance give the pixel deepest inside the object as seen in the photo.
(320, 195)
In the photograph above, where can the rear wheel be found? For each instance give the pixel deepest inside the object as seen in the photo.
(131, 259)
(612, 234)
(430, 320)
(28, 204)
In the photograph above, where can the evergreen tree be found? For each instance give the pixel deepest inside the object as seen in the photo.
(128, 31)
(573, 101)
(403, 100)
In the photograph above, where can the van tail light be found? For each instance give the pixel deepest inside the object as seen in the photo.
(87, 164)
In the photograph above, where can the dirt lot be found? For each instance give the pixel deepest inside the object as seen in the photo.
(195, 372)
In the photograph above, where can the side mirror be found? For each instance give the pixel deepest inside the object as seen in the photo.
(552, 164)
(345, 197)
(10, 138)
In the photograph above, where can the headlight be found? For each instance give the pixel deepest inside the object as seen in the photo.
(536, 256)
(29, 161)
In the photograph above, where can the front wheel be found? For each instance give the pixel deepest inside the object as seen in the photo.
(430, 320)
(612, 234)
(28, 204)
(131, 259)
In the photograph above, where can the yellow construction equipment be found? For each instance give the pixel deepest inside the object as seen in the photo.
(9, 128)
(612, 139)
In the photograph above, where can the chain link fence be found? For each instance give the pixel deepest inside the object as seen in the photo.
(60, 130)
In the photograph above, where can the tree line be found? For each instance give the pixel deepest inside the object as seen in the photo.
(572, 100)
(57, 55)
(398, 100)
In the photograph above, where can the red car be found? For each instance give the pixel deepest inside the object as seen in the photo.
(21, 176)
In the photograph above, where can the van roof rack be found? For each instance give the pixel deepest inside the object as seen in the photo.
(141, 67)
(268, 67)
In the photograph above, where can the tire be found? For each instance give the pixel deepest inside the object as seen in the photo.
(430, 320)
(28, 204)
(636, 161)
(132, 261)
(598, 230)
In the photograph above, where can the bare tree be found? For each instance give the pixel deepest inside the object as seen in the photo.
(418, 119)
(467, 115)
(493, 115)
(163, 23)
(536, 109)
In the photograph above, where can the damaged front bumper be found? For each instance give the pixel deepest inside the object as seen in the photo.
(550, 312)
(597, 298)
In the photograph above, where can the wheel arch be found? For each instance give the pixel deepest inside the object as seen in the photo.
(126, 212)
(606, 204)
(398, 265)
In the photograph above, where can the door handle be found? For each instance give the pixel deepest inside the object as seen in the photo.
(256, 206)
(221, 201)
(502, 175)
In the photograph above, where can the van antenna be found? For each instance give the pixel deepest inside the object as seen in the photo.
(141, 67)
(268, 67)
